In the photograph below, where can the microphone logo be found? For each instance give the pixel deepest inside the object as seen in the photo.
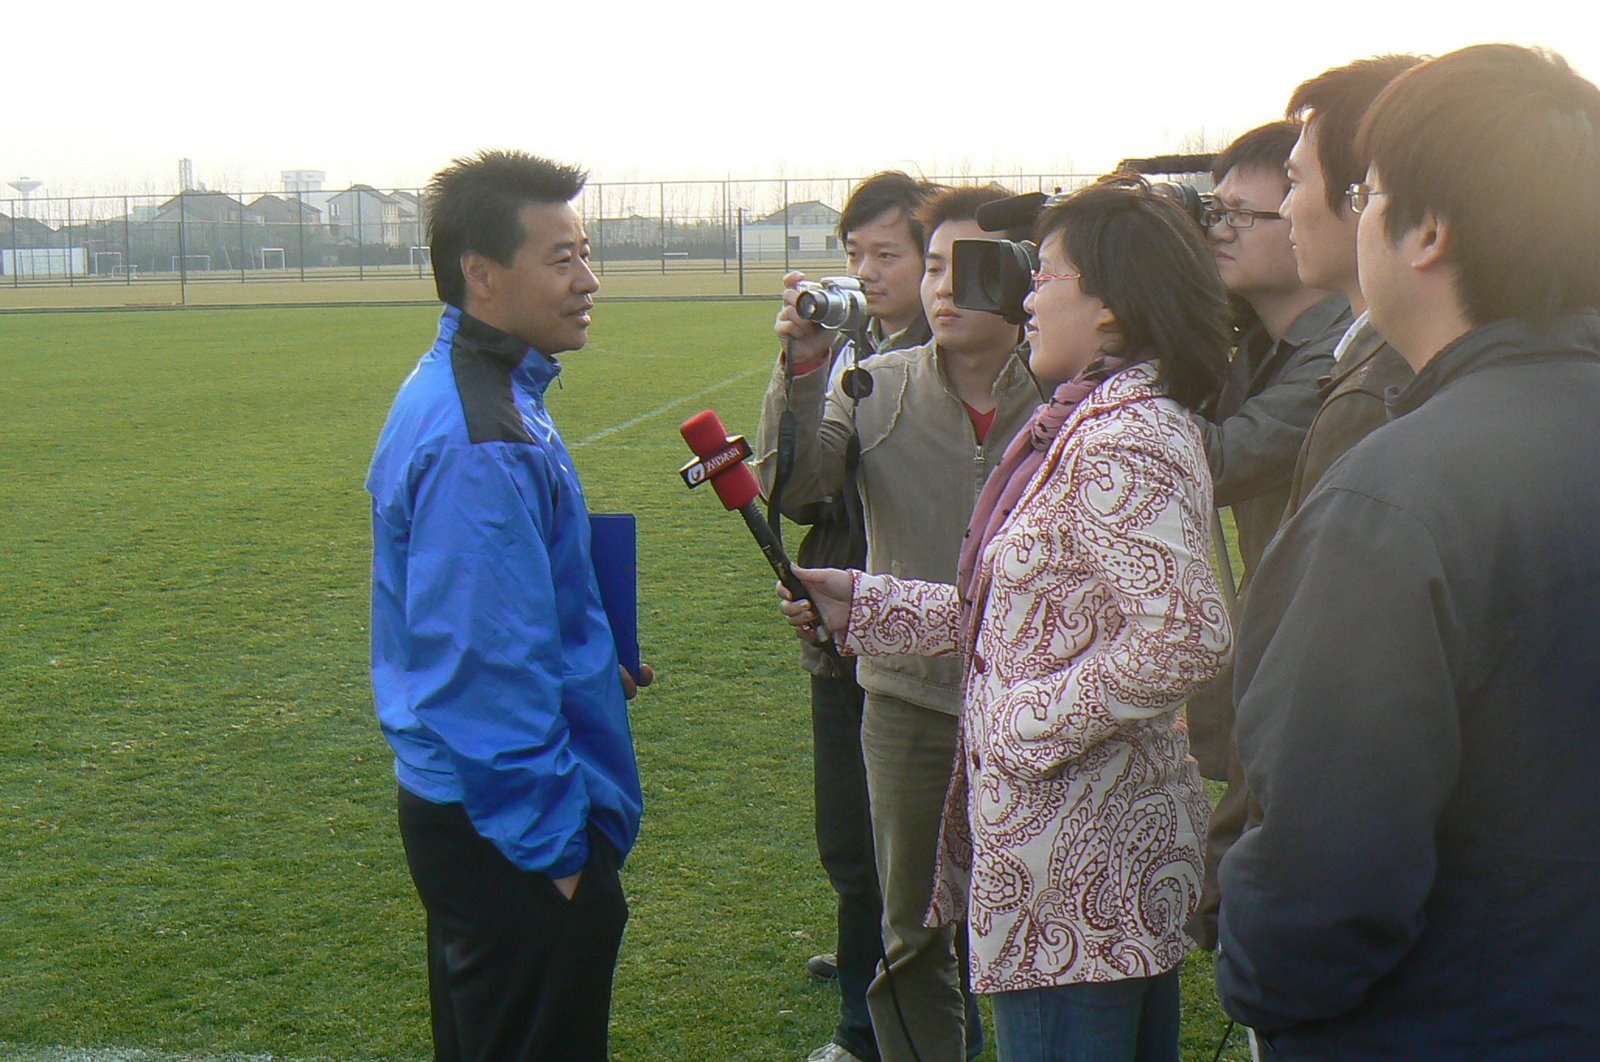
(704, 468)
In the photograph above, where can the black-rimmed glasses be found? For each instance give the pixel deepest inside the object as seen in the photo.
(1236, 217)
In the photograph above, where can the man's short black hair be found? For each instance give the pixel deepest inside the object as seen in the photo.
(1266, 146)
(891, 190)
(1502, 143)
(960, 203)
(1336, 100)
(474, 203)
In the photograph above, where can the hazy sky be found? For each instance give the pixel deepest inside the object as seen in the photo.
(103, 97)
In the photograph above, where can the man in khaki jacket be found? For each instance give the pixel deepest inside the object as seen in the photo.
(936, 420)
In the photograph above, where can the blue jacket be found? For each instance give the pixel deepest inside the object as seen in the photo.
(493, 667)
(1419, 670)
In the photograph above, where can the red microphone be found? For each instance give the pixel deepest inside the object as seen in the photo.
(719, 459)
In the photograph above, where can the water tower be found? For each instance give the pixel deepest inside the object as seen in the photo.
(25, 186)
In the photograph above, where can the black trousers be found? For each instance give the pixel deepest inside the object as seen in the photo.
(844, 841)
(515, 969)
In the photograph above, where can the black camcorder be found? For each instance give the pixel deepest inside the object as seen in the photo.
(995, 276)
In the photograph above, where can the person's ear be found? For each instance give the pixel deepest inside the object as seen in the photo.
(478, 271)
(1430, 242)
(1105, 322)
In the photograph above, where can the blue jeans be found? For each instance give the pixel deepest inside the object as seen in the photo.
(1134, 1020)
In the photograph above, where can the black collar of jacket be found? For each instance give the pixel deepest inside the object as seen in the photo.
(1257, 342)
(1565, 336)
(479, 337)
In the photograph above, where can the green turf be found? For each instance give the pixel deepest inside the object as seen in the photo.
(200, 853)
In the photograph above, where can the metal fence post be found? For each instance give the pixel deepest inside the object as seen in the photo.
(661, 208)
(600, 229)
(66, 243)
(300, 227)
(243, 254)
(183, 250)
(361, 242)
(786, 225)
(741, 250)
(16, 252)
(127, 244)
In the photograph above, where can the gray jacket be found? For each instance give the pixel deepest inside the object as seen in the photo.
(921, 470)
(1267, 403)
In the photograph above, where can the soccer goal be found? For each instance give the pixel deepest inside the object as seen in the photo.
(192, 263)
(108, 263)
(420, 256)
(273, 258)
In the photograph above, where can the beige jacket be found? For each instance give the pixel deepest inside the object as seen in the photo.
(921, 470)
(1072, 836)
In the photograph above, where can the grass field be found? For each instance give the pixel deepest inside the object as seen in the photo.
(199, 855)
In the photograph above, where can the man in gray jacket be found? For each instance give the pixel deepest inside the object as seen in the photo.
(1268, 400)
(937, 418)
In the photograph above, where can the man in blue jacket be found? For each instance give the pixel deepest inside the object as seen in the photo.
(493, 666)
(1417, 660)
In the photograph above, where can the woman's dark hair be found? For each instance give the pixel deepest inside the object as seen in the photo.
(1142, 256)
(474, 204)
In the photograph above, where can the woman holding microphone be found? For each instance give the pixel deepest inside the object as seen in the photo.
(1086, 612)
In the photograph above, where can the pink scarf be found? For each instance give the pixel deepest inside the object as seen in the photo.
(1010, 478)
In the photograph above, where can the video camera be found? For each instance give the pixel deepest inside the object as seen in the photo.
(995, 276)
(837, 303)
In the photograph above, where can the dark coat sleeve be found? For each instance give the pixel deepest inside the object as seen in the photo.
(1350, 738)
(1253, 451)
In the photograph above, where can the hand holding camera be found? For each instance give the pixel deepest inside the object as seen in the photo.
(814, 308)
(806, 343)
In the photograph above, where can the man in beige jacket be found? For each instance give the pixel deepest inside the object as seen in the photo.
(936, 420)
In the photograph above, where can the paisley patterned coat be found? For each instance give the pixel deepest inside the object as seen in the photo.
(1073, 830)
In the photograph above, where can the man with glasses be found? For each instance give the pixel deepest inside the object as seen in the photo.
(1260, 420)
(1322, 228)
(1417, 662)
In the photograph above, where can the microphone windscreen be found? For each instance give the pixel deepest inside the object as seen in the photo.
(735, 485)
(1017, 212)
(704, 433)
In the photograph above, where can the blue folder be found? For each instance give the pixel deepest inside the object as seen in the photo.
(614, 543)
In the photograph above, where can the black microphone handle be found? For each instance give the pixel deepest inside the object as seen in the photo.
(773, 551)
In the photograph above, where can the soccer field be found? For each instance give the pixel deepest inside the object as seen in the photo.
(200, 853)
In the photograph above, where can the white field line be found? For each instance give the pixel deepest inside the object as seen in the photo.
(665, 407)
(37, 1053)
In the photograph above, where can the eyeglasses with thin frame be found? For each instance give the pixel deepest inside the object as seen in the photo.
(1360, 195)
(1041, 279)
(1237, 217)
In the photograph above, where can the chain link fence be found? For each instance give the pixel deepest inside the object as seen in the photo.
(651, 239)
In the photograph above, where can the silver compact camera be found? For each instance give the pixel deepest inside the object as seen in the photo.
(836, 303)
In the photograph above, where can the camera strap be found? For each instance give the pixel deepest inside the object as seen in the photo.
(788, 429)
(786, 444)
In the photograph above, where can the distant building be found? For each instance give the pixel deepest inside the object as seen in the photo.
(803, 230)
(363, 215)
(31, 248)
(273, 210)
(413, 217)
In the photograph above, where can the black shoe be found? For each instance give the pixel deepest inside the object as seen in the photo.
(824, 967)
